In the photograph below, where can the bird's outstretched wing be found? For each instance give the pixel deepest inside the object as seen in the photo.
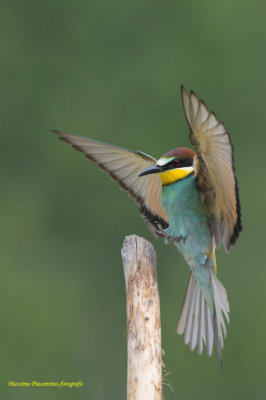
(215, 171)
(123, 166)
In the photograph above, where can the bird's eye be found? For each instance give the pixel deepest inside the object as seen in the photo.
(175, 162)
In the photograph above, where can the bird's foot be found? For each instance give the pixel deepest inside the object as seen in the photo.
(179, 238)
(172, 239)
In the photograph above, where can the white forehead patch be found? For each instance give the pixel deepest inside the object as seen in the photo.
(163, 161)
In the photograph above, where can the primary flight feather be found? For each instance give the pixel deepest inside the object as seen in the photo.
(190, 199)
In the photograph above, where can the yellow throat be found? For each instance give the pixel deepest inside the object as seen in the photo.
(173, 175)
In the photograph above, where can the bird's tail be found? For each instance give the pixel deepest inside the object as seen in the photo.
(200, 325)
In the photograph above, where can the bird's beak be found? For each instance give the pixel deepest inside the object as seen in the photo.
(154, 169)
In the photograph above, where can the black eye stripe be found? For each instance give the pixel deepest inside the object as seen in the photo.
(179, 163)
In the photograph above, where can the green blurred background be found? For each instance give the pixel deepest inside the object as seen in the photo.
(112, 71)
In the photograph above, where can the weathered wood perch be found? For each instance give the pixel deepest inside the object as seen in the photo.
(144, 373)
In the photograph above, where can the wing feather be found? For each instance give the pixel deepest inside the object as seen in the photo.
(123, 166)
(215, 171)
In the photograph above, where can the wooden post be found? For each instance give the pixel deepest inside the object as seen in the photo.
(144, 370)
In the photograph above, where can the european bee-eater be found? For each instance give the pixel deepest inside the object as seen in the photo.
(190, 199)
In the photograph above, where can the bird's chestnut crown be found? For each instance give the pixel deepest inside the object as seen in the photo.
(176, 158)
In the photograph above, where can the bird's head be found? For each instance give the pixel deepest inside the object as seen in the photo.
(172, 166)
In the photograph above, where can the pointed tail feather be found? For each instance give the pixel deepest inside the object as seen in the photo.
(199, 325)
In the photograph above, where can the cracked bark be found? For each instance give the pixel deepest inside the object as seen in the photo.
(144, 373)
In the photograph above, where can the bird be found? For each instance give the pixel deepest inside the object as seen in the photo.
(188, 198)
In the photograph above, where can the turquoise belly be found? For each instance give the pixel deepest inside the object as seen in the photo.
(188, 218)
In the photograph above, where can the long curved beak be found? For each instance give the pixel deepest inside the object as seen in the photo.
(154, 169)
